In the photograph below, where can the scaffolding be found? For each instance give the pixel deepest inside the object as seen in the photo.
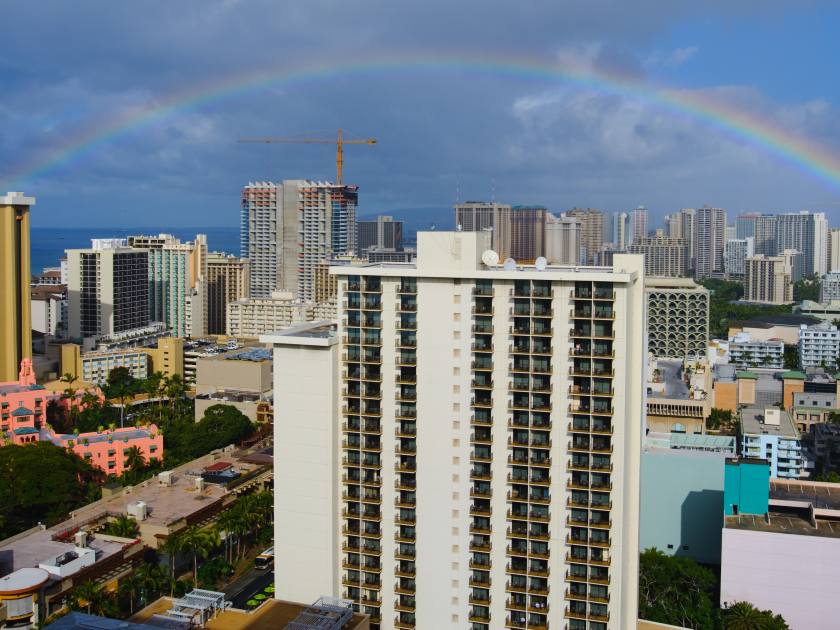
(328, 613)
(192, 610)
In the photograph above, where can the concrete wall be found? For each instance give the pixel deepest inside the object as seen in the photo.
(682, 503)
(746, 488)
(214, 374)
(792, 575)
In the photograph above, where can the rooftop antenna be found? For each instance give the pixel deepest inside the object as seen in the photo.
(457, 193)
(493, 190)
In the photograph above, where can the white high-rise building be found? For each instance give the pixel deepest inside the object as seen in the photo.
(621, 231)
(709, 240)
(288, 229)
(769, 279)
(464, 450)
(735, 254)
(806, 232)
(833, 247)
(563, 245)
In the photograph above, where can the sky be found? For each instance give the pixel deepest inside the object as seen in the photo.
(446, 130)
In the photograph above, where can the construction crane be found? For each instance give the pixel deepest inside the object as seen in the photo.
(339, 143)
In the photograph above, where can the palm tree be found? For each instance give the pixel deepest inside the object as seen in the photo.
(130, 585)
(152, 579)
(228, 522)
(90, 400)
(171, 546)
(123, 526)
(199, 542)
(175, 389)
(745, 616)
(134, 459)
(90, 595)
(152, 386)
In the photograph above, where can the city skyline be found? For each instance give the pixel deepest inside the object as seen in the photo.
(617, 107)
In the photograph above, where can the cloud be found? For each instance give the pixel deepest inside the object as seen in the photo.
(671, 59)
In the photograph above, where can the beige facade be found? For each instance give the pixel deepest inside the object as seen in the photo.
(15, 276)
(257, 316)
(489, 449)
(241, 379)
(94, 367)
(664, 257)
(591, 232)
(563, 240)
(227, 281)
(677, 318)
(769, 279)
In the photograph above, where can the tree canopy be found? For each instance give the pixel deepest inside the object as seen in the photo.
(220, 426)
(676, 591)
(42, 484)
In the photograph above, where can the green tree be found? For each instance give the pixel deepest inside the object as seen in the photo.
(92, 598)
(719, 418)
(199, 542)
(130, 586)
(807, 288)
(48, 483)
(170, 547)
(123, 526)
(791, 357)
(135, 461)
(676, 590)
(745, 616)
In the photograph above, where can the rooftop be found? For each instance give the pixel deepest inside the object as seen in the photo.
(321, 333)
(821, 495)
(753, 422)
(82, 621)
(783, 523)
(768, 321)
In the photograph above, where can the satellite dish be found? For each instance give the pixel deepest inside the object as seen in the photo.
(510, 264)
(541, 263)
(490, 258)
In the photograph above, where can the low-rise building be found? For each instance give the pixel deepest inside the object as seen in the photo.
(746, 352)
(770, 434)
(825, 444)
(166, 356)
(678, 399)
(781, 551)
(257, 316)
(677, 318)
(819, 345)
(242, 379)
(830, 287)
(682, 494)
(49, 309)
(811, 408)
(784, 327)
(824, 311)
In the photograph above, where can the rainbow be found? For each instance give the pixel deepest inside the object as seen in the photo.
(760, 133)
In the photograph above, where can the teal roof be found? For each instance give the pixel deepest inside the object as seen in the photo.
(25, 431)
(794, 374)
(745, 374)
(22, 411)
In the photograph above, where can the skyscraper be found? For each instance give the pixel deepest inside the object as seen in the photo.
(107, 288)
(745, 225)
(15, 277)
(621, 230)
(289, 228)
(638, 224)
(765, 234)
(527, 232)
(563, 240)
(177, 282)
(709, 240)
(806, 232)
(490, 433)
(736, 253)
(227, 281)
(769, 279)
(664, 257)
(592, 232)
(833, 254)
(383, 232)
(475, 216)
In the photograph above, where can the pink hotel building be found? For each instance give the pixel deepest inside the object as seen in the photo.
(23, 420)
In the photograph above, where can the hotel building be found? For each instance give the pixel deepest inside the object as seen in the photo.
(15, 314)
(473, 457)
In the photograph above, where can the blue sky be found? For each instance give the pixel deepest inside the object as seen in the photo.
(66, 66)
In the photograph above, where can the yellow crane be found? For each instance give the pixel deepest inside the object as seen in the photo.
(339, 143)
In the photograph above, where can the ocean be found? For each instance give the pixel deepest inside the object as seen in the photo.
(48, 244)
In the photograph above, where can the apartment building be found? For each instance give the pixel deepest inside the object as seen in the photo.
(108, 289)
(709, 241)
(747, 352)
(819, 345)
(621, 231)
(833, 247)
(770, 434)
(665, 257)
(177, 282)
(477, 216)
(830, 287)
(638, 224)
(466, 443)
(15, 276)
(768, 279)
(591, 232)
(166, 357)
(735, 254)
(289, 228)
(383, 232)
(253, 317)
(563, 240)
(228, 280)
(805, 232)
(677, 318)
(745, 225)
